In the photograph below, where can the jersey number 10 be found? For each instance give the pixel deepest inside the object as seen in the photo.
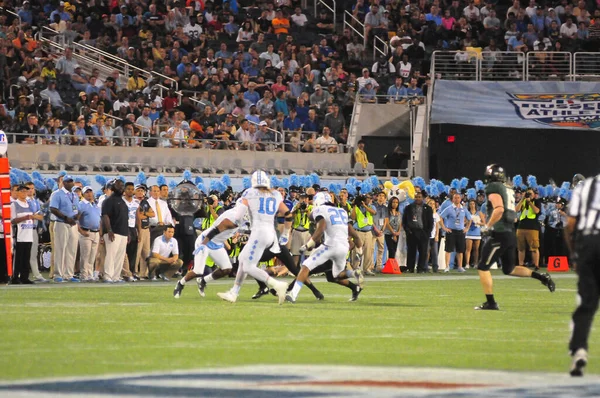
(267, 206)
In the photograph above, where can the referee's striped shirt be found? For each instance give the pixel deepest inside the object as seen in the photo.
(585, 206)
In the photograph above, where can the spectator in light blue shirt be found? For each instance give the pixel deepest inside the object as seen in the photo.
(25, 14)
(434, 16)
(60, 11)
(252, 95)
(123, 15)
(397, 92)
(412, 89)
(455, 220)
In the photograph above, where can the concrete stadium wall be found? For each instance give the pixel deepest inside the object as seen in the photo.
(28, 155)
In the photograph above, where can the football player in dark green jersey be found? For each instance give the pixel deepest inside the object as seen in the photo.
(502, 243)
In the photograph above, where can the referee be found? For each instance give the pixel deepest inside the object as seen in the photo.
(582, 235)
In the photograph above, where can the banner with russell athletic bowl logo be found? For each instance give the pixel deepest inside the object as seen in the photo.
(517, 104)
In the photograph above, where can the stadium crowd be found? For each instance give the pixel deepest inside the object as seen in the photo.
(49, 215)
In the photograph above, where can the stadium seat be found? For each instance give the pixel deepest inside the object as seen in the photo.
(370, 168)
(285, 166)
(43, 161)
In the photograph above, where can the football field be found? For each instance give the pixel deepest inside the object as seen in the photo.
(88, 330)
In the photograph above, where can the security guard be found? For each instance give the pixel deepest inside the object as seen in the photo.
(582, 235)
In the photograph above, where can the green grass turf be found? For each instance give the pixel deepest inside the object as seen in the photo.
(73, 331)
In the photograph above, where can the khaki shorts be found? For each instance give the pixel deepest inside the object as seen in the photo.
(528, 238)
(297, 240)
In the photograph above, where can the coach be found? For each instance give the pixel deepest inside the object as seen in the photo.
(417, 221)
(64, 206)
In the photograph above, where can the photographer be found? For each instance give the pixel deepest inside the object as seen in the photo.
(301, 223)
(212, 210)
(362, 214)
(528, 228)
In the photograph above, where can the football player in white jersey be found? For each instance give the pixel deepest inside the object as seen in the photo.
(226, 226)
(333, 222)
(263, 204)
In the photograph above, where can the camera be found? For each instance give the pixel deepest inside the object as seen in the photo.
(302, 206)
(209, 201)
(527, 195)
(359, 199)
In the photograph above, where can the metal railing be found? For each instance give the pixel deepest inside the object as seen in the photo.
(183, 142)
(6, 10)
(385, 51)
(586, 66)
(515, 66)
(348, 22)
(408, 100)
(101, 59)
(332, 8)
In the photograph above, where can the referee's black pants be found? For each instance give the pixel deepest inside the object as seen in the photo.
(3, 268)
(588, 289)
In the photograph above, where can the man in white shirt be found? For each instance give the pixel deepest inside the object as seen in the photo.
(326, 143)
(471, 12)
(165, 255)
(365, 78)
(145, 120)
(299, 18)
(243, 135)
(270, 55)
(162, 214)
(568, 30)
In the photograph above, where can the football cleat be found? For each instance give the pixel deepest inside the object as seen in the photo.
(488, 306)
(281, 290)
(360, 278)
(547, 281)
(355, 293)
(178, 288)
(260, 293)
(201, 286)
(289, 298)
(579, 362)
(319, 296)
(228, 296)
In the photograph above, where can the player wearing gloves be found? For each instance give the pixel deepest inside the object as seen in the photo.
(333, 222)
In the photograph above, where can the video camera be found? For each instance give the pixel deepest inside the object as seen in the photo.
(359, 199)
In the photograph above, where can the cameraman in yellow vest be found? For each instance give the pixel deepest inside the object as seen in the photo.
(362, 214)
(528, 229)
(301, 223)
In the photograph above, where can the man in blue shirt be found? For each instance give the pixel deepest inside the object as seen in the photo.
(397, 92)
(89, 233)
(60, 11)
(64, 204)
(252, 95)
(455, 221)
(25, 14)
(434, 16)
(291, 122)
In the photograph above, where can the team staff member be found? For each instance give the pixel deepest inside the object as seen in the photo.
(89, 233)
(162, 215)
(582, 235)
(23, 219)
(64, 205)
(528, 229)
(132, 223)
(144, 213)
(417, 221)
(116, 230)
(362, 214)
(455, 220)
(165, 255)
(501, 244)
(36, 206)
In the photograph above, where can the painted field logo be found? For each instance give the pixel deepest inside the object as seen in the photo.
(559, 110)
